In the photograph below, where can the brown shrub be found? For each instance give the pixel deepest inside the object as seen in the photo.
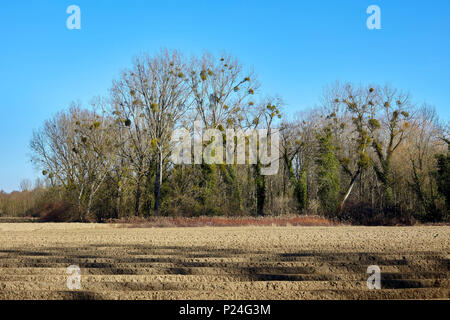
(57, 212)
(363, 214)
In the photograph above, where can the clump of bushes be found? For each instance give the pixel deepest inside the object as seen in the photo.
(57, 212)
(364, 214)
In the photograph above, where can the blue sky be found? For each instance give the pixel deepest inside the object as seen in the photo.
(295, 47)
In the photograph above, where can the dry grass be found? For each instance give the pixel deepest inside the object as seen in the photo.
(167, 222)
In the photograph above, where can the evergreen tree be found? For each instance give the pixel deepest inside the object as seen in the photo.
(327, 174)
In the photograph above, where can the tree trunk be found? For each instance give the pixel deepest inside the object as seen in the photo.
(260, 190)
(349, 190)
(234, 189)
(137, 198)
(118, 202)
(158, 182)
(89, 205)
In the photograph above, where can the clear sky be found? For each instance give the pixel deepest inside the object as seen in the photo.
(295, 47)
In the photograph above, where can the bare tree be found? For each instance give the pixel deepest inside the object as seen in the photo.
(389, 133)
(157, 87)
(135, 150)
(423, 144)
(26, 185)
(222, 93)
(74, 150)
(352, 117)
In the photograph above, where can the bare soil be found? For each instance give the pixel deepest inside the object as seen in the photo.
(223, 262)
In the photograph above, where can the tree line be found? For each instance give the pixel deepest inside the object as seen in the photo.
(365, 154)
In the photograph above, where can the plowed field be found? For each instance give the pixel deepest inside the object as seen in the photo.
(223, 262)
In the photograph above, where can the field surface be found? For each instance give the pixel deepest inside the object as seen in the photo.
(223, 262)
